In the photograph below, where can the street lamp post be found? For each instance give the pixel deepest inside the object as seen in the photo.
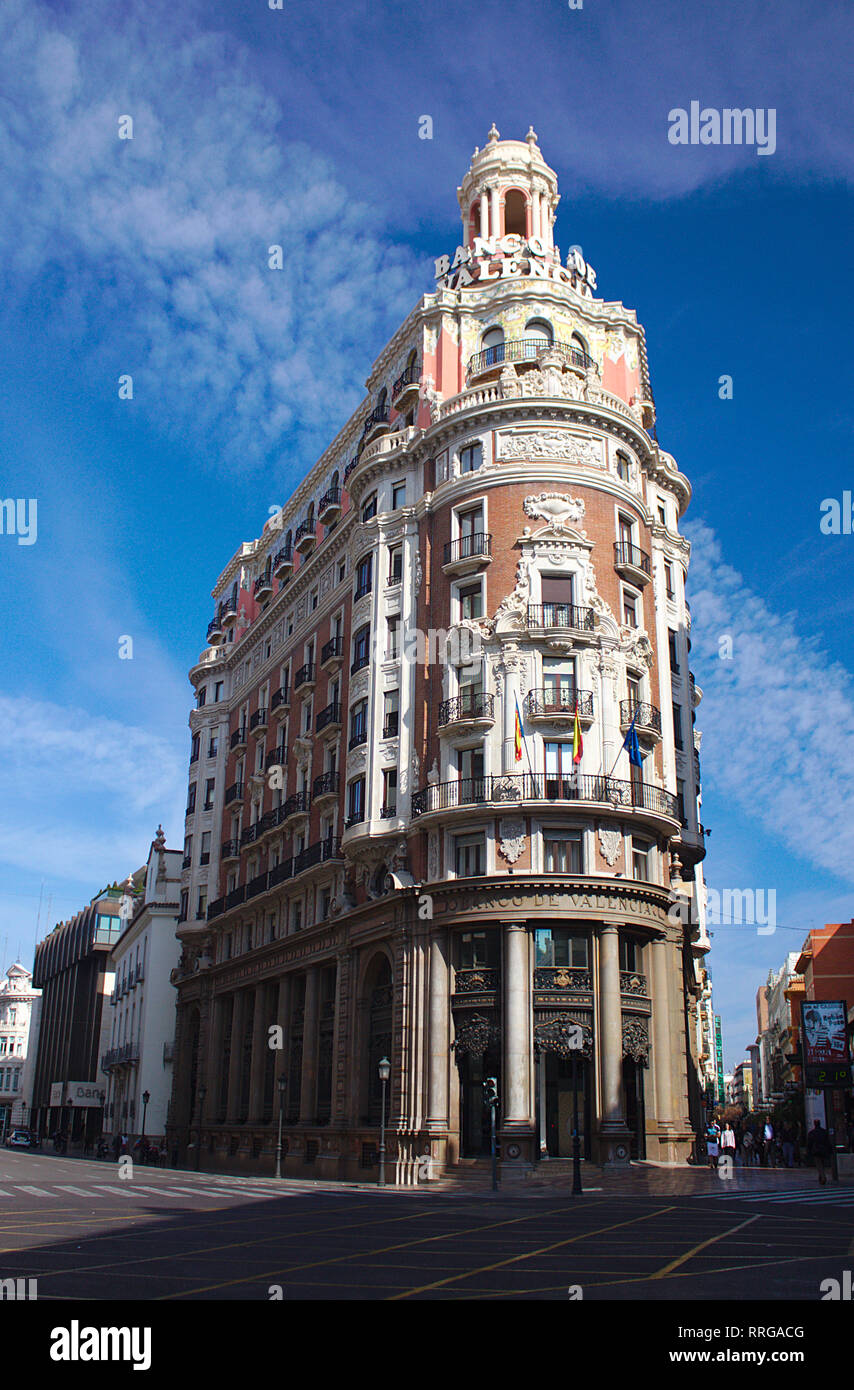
(203, 1090)
(576, 1138)
(385, 1073)
(283, 1085)
(146, 1097)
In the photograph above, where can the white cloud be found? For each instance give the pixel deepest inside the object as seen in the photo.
(777, 720)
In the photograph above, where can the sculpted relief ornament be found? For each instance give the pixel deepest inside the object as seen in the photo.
(555, 508)
(611, 844)
(512, 834)
(550, 444)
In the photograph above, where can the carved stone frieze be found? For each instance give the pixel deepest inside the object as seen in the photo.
(512, 838)
(553, 1035)
(545, 444)
(611, 844)
(476, 1033)
(636, 1040)
(555, 508)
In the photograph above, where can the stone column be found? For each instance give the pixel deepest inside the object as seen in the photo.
(613, 1126)
(535, 213)
(484, 215)
(212, 1076)
(283, 1019)
(517, 1123)
(261, 1023)
(308, 1084)
(494, 223)
(237, 1019)
(439, 1042)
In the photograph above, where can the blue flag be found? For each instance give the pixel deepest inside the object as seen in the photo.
(631, 745)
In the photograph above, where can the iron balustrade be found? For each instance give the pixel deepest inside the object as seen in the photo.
(645, 716)
(282, 872)
(256, 885)
(250, 834)
(363, 590)
(305, 528)
(475, 704)
(408, 377)
(257, 719)
(318, 853)
(297, 804)
(539, 786)
(284, 559)
(564, 615)
(238, 737)
(330, 715)
(331, 649)
(390, 728)
(350, 466)
(216, 908)
(360, 663)
(378, 416)
(235, 897)
(388, 812)
(234, 793)
(358, 737)
(326, 784)
(277, 757)
(331, 498)
(186, 861)
(625, 553)
(264, 581)
(476, 546)
(229, 608)
(214, 626)
(560, 700)
(304, 675)
(280, 697)
(230, 850)
(527, 350)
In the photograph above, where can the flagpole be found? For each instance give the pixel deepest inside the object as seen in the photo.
(623, 744)
(522, 731)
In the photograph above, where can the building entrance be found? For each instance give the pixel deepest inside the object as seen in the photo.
(633, 1107)
(554, 1105)
(474, 1115)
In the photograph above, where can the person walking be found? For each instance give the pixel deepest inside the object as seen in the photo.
(713, 1135)
(768, 1136)
(748, 1148)
(728, 1142)
(818, 1147)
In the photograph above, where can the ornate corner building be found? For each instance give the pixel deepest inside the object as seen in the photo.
(414, 829)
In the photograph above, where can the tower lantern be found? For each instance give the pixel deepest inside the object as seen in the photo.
(509, 190)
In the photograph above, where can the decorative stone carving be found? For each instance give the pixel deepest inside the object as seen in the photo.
(512, 836)
(637, 647)
(509, 382)
(433, 774)
(611, 844)
(553, 1035)
(556, 508)
(476, 1033)
(419, 573)
(550, 444)
(636, 1040)
(512, 610)
(432, 856)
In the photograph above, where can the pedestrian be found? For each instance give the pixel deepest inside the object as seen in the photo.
(712, 1143)
(818, 1146)
(747, 1146)
(768, 1136)
(728, 1141)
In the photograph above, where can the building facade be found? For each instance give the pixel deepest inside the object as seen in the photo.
(138, 1059)
(414, 828)
(826, 965)
(18, 1033)
(743, 1087)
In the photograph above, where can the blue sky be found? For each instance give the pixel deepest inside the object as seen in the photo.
(300, 127)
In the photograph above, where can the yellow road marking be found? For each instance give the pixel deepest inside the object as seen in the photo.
(689, 1254)
(514, 1259)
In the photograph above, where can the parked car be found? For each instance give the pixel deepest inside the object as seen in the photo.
(20, 1139)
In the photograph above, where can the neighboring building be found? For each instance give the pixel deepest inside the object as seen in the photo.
(705, 1047)
(729, 1089)
(485, 562)
(779, 1037)
(762, 1076)
(18, 1005)
(826, 962)
(72, 968)
(138, 1059)
(743, 1086)
(719, 1060)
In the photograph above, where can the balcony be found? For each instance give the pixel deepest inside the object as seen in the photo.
(216, 632)
(238, 738)
(391, 728)
(186, 861)
(263, 587)
(632, 563)
(329, 508)
(357, 738)
(515, 788)
(467, 554)
(281, 873)
(349, 469)
(216, 908)
(331, 653)
(283, 563)
(318, 853)
(329, 718)
(277, 757)
(646, 717)
(388, 812)
(281, 701)
(473, 709)
(228, 612)
(294, 808)
(557, 705)
(560, 617)
(375, 424)
(305, 676)
(325, 787)
(305, 537)
(258, 722)
(236, 897)
(267, 822)
(361, 661)
(363, 589)
(250, 834)
(256, 885)
(230, 850)
(405, 389)
(527, 350)
(234, 793)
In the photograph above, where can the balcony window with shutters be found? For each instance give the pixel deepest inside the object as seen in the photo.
(558, 591)
(205, 856)
(471, 600)
(471, 458)
(469, 856)
(369, 507)
(470, 523)
(625, 535)
(470, 771)
(391, 713)
(210, 785)
(361, 648)
(359, 723)
(213, 746)
(393, 642)
(558, 683)
(560, 771)
(630, 608)
(561, 946)
(562, 852)
(364, 576)
(398, 496)
(395, 564)
(356, 803)
(677, 727)
(389, 791)
(641, 859)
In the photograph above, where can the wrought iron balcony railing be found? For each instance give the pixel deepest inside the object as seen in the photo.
(326, 784)
(408, 377)
(560, 700)
(477, 704)
(304, 675)
(646, 716)
(563, 615)
(543, 787)
(474, 547)
(627, 554)
(527, 350)
(331, 650)
(234, 793)
(238, 737)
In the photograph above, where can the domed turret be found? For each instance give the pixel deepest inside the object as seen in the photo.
(509, 190)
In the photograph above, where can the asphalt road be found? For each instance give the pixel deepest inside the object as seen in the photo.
(84, 1234)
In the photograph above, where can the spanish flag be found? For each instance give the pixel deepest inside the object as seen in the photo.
(518, 734)
(577, 740)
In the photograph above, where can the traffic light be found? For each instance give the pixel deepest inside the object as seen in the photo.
(490, 1090)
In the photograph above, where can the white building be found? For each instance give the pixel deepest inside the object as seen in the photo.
(18, 1002)
(139, 1057)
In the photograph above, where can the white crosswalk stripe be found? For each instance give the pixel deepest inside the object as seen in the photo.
(120, 1191)
(35, 1191)
(224, 1189)
(843, 1197)
(81, 1191)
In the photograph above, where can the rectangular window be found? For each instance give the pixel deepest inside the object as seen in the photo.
(364, 576)
(194, 749)
(480, 950)
(471, 601)
(393, 646)
(369, 507)
(680, 801)
(471, 458)
(470, 769)
(391, 713)
(630, 609)
(622, 468)
(561, 946)
(359, 723)
(213, 746)
(562, 852)
(560, 772)
(677, 727)
(191, 799)
(674, 651)
(201, 697)
(641, 853)
(218, 689)
(205, 856)
(395, 565)
(398, 496)
(389, 791)
(296, 916)
(558, 684)
(203, 903)
(210, 785)
(361, 649)
(469, 856)
(631, 954)
(668, 579)
(357, 801)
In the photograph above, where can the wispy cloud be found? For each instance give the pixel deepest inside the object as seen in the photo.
(777, 719)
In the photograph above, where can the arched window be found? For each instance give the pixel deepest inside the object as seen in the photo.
(333, 481)
(515, 213)
(381, 400)
(540, 329)
(492, 344)
(580, 346)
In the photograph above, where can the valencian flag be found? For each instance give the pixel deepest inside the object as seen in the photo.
(518, 734)
(631, 745)
(577, 740)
